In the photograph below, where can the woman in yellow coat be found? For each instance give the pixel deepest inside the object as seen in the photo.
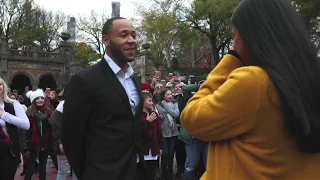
(260, 107)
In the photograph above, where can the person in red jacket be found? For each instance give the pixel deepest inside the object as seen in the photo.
(151, 139)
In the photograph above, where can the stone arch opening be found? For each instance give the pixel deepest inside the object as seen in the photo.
(47, 81)
(19, 82)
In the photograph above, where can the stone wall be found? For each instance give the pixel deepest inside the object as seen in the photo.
(143, 65)
(35, 64)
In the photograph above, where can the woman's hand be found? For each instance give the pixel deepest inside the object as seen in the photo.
(41, 116)
(61, 148)
(151, 117)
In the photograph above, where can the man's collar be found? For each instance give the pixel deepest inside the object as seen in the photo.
(116, 69)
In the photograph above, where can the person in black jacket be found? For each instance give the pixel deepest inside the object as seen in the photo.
(101, 132)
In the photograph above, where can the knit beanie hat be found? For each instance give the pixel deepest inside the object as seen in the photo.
(145, 86)
(34, 94)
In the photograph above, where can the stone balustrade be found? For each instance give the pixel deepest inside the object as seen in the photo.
(33, 55)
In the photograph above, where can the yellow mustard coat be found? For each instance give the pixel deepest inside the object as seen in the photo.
(238, 110)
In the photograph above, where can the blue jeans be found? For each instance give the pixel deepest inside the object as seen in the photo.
(64, 168)
(168, 146)
(193, 152)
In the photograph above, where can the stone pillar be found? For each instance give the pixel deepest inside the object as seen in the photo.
(147, 66)
(164, 72)
(143, 68)
(66, 56)
(3, 43)
(71, 65)
(34, 86)
(75, 68)
(4, 58)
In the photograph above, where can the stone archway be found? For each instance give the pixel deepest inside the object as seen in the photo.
(19, 82)
(47, 81)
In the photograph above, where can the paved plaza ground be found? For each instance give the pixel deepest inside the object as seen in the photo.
(52, 172)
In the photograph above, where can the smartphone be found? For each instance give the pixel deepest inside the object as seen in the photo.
(170, 76)
(157, 74)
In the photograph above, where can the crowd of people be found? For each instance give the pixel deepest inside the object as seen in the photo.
(256, 116)
(36, 142)
(166, 101)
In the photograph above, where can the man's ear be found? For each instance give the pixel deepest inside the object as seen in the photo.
(105, 40)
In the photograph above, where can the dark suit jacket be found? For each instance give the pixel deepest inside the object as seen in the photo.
(100, 134)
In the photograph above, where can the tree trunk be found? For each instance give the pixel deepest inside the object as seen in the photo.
(193, 57)
(215, 52)
(216, 55)
(168, 57)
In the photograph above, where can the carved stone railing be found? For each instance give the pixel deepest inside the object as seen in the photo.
(23, 53)
(33, 55)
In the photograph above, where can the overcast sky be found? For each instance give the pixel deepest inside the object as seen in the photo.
(84, 7)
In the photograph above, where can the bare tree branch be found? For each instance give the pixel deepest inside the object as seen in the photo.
(91, 26)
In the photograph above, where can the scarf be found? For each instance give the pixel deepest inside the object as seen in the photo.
(5, 141)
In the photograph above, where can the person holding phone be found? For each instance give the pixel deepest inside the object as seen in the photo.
(259, 107)
(155, 80)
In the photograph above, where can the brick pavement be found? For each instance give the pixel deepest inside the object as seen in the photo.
(51, 173)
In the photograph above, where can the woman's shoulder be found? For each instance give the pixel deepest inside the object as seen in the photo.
(250, 70)
(253, 76)
(159, 106)
(29, 111)
(250, 74)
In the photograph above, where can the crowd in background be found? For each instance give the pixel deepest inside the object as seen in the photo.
(164, 101)
(38, 143)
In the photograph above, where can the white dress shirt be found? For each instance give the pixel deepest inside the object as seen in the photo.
(127, 83)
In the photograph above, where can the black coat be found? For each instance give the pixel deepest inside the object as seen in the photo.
(100, 135)
(13, 132)
(56, 123)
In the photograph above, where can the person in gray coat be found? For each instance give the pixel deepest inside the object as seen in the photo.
(168, 112)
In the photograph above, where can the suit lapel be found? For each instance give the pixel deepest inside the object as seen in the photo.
(137, 83)
(114, 81)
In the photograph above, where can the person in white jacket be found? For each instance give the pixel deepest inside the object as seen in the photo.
(12, 118)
